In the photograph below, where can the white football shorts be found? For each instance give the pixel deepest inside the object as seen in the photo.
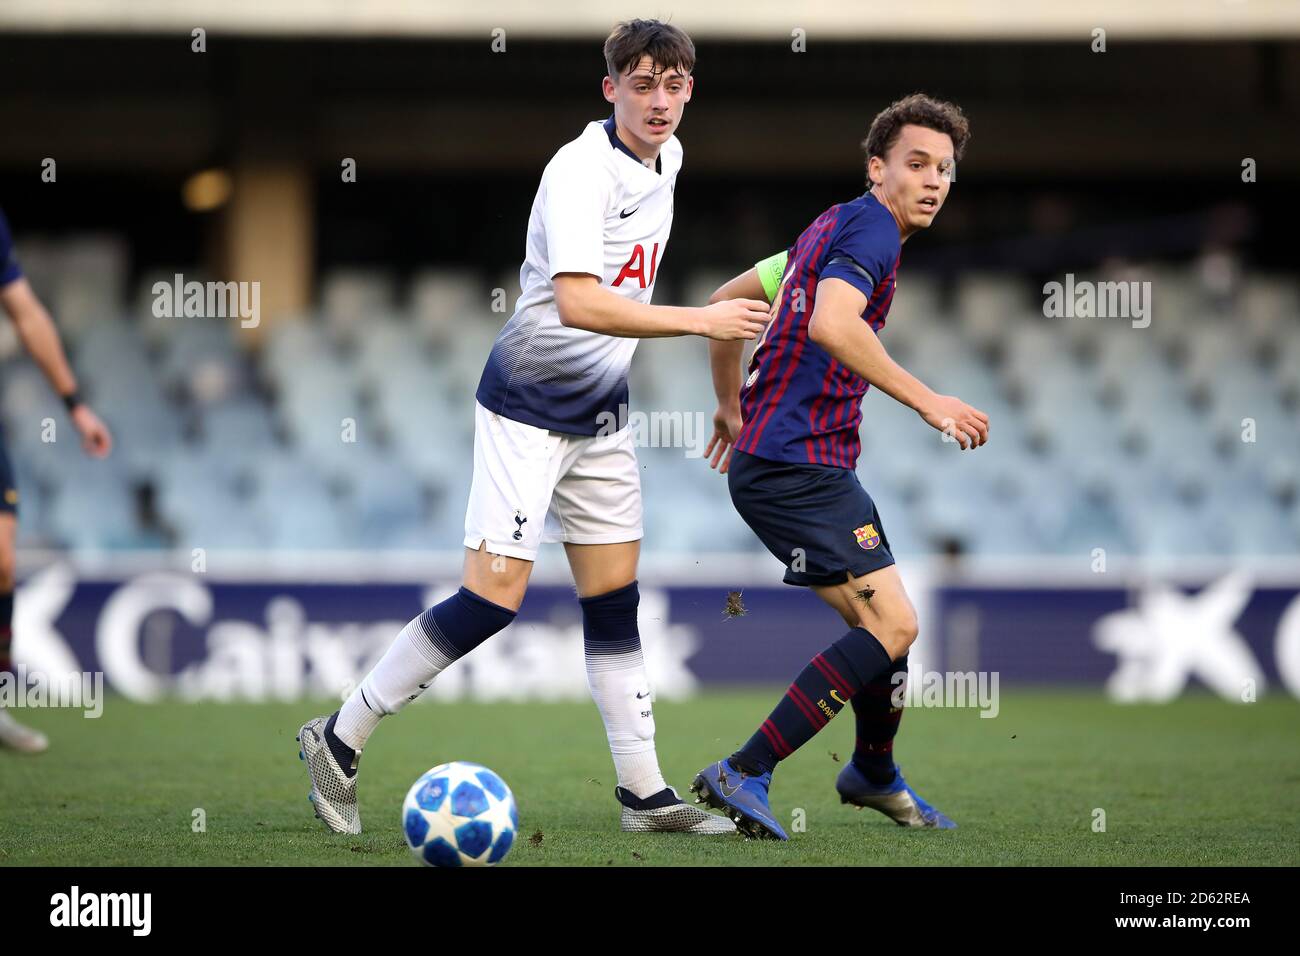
(533, 485)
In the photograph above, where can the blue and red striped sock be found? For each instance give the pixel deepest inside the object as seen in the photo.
(820, 691)
(877, 723)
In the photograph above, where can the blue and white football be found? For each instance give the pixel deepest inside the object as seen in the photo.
(459, 814)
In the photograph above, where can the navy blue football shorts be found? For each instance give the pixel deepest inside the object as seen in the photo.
(815, 519)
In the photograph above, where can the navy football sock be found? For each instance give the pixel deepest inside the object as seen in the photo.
(343, 754)
(609, 625)
(825, 686)
(877, 722)
(656, 801)
(461, 623)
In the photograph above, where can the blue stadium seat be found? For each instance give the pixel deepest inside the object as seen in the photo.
(439, 297)
(243, 426)
(387, 506)
(98, 516)
(352, 298)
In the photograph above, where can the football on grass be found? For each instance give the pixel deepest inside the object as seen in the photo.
(459, 814)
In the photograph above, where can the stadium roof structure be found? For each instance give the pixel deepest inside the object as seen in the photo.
(731, 19)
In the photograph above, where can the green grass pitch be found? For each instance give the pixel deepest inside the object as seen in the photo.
(1195, 782)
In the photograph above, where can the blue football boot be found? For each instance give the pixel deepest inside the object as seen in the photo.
(896, 799)
(741, 796)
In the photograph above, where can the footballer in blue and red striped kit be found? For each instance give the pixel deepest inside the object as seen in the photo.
(788, 441)
(800, 404)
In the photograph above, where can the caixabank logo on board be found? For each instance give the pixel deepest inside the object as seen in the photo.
(168, 634)
(198, 637)
(1170, 637)
(1149, 641)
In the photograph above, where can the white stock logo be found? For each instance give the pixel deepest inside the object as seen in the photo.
(1104, 300)
(214, 300)
(1171, 637)
(75, 908)
(23, 687)
(659, 429)
(947, 689)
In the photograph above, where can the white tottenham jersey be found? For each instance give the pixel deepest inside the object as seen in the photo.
(598, 210)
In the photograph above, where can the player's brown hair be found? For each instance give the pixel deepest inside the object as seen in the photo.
(667, 46)
(919, 110)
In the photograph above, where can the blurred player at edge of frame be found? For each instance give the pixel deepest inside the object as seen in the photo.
(40, 338)
(788, 441)
(547, 464)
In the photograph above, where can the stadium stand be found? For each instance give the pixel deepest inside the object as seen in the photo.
(1108, 434)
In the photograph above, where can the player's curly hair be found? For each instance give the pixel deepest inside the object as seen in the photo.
(667, 45)
(920, 110)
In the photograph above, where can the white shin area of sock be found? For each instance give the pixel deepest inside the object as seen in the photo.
(621, 691)
(407, 668)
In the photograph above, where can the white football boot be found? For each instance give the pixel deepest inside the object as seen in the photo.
(333, 792)
(20, 737)
(664, 812)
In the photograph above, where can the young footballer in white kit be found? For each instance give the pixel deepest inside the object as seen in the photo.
(544, 467)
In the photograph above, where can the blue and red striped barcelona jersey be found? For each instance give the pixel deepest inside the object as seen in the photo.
(799, 404)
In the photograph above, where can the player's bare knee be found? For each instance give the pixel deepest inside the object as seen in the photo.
(497, 578)
(903, 630)
(506, 594)
(896, 633)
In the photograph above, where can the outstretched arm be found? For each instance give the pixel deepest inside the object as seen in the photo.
(836, 325)
(583, 304)
(40, 338)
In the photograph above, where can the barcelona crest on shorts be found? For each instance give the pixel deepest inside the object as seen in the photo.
(868, 537)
